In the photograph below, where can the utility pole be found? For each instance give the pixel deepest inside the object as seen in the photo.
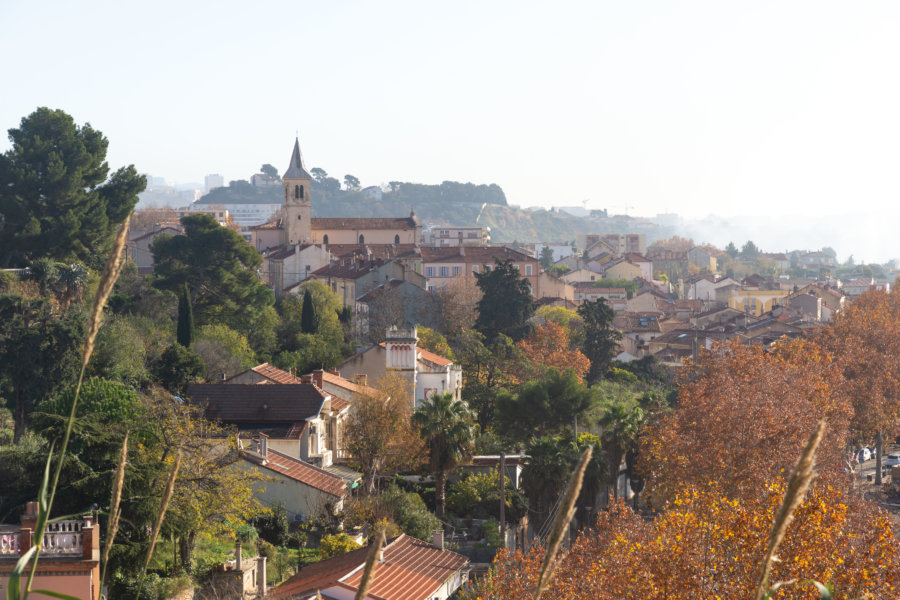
(503, 498)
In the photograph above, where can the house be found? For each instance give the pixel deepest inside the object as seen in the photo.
(646, 302)
(392, 303)
(623, 269)
(623, 243)
(756, 302)
(300, 419)
(643, 263)
(459, 236)
(699, 287)
(70, 562)
(304, 490)
(581, 276)
(781, 260)
(263, 374)
(442, 266)
(589, 291)
(408, 569)
(673, 263)
(286, 267)
(427, 373)
(637, 330)
(351, 278)
(716, 316)
(832, 300)
(550, 286)
(137, 249)
(597, 247)
(367, 230)
(703, 258)
(858, 287)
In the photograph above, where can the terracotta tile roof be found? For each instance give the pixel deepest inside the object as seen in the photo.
(474, 254)
(355, 223)
(374, 250)
(304, 473)
(346, 384)
(239, 403)
(320, 575)
(167, 229)
(274, 374)
(338, 403)
(411, 570)
(349, 269)
(276, 224)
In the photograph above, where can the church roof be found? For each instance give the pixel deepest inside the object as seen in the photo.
(363, 223)
(297, 170)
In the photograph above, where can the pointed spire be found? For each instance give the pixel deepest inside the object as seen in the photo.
(296, 170)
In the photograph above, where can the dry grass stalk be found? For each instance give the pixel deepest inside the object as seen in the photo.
(561, 523)
(115, 510)
(371, 562)
(111, 272)
(801, 477)
(163, 507)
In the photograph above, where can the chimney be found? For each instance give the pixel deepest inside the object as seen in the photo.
(361, 379)
(261, 575)
(90, 538)
(238, 556)
(334, 372)
(306, 379)
(317, 377)
(438, 539)
(264, 446)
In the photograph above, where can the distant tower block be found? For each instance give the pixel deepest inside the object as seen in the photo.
(297, 207)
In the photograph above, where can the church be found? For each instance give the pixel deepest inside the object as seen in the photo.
(297, 245)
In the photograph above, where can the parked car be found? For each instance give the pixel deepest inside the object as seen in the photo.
(892, 460)
(864, 455)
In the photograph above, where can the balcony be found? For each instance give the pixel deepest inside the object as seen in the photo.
(69, 539)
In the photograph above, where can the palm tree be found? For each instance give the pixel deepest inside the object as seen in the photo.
(447, 426)
(621, 420)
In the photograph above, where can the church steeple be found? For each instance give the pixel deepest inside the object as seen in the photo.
(296, 170)
(297, 226)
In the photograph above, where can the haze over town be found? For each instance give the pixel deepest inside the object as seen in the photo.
(778, 111)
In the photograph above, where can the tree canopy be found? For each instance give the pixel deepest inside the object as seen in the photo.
(506, 303)
(218, 266)
(57, 197)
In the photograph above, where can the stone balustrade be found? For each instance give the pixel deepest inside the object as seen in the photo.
(9, 544)
(61, 539)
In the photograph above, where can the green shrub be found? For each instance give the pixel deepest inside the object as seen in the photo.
(335, 545)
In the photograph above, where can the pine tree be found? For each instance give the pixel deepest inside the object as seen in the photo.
(308, 315)
(185, 332)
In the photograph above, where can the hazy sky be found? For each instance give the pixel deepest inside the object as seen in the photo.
(763, 108)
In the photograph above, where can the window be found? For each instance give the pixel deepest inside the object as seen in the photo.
(325, 239)
(362, 239)
(429, 271)
(445, 271)
(487, 268)
(456, 271)
(527, 269)
(474, 268)
(298, 192)
(397, 239)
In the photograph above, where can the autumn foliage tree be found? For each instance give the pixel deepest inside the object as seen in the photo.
(710, 546)
(865, 340)
(548, 346)
(743, 415)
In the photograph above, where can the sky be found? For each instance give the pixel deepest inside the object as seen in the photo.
(777, 110)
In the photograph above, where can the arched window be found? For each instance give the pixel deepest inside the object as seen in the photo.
(325, 239)
(362, 240)
(301, 191)
(397, 239)
(297, 191)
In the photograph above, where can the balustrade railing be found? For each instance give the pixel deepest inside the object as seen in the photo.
(9, 544)
(62, 538)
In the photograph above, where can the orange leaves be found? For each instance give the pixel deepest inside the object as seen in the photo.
(743, 415)
(548, 345)
(707, 545)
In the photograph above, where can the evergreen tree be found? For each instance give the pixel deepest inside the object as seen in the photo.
(185, 333)
(732, 250)
(600, 339)
(308, 314)
(546, 257)
(506, 303)
(57, 197)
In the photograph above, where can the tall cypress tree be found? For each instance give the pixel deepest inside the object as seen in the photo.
(185, 331)
(308, 316)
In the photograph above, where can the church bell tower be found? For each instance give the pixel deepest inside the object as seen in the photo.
(297, 225)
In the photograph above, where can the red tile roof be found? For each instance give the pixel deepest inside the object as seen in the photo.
(349, 268)
(474, 254)
(411, 570)
(274, 374)
(320, 575)
(355, 223)
(304, 473)
(346, 384)
(427, 356)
